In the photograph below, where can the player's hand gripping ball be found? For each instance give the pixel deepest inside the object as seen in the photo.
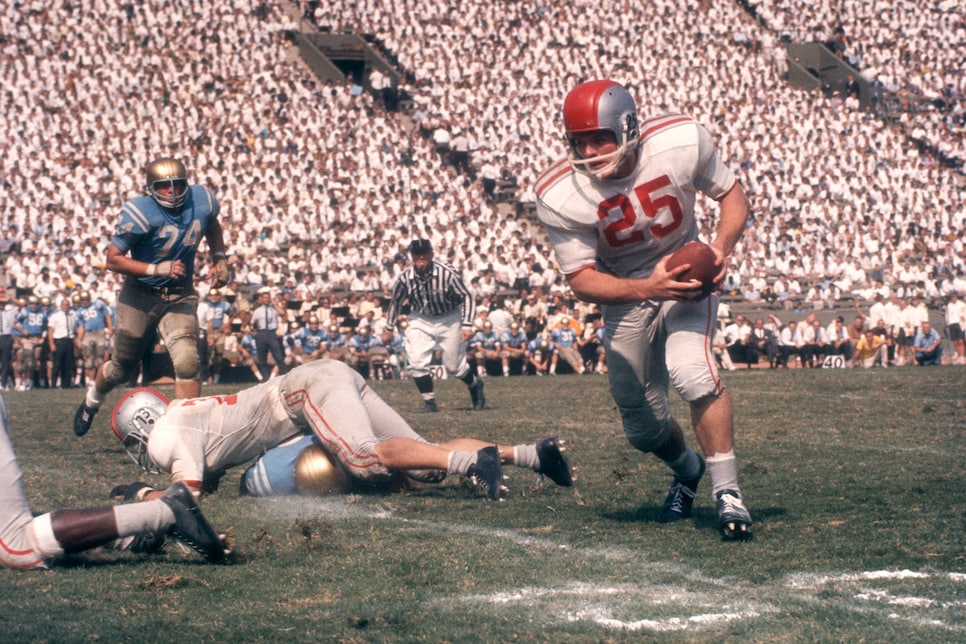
(701, 259)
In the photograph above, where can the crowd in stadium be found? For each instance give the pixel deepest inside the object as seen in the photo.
(322, 187)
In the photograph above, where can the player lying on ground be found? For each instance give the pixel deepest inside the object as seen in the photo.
(29, 542)
(196, 440)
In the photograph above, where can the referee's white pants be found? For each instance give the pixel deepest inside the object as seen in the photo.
(425, 332)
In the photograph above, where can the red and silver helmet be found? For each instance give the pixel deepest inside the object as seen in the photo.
(133, 419)
(167, 172)
(601, 105)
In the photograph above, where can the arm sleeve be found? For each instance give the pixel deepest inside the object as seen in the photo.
(712, 176)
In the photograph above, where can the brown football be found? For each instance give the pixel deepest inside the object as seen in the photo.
(701, 259)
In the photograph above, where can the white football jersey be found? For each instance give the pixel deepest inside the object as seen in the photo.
(204, 436)
(625, 226)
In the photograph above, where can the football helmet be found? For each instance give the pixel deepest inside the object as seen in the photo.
(167, 172)
(133, 419)
(601, 105)
(45, 302)
(319, 474)
(33, 302)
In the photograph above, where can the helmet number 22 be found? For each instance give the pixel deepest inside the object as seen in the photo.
(623, 225)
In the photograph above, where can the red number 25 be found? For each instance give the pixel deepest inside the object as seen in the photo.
(623, 227)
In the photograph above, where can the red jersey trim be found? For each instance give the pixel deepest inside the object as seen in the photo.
(588, 267)
(552, 175)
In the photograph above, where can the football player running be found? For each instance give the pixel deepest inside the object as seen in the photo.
(621, 203)
(154, 246)
(197, 439)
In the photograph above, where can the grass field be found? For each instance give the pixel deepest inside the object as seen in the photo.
(856, 480)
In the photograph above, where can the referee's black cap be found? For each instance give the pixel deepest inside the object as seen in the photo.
(420, 247)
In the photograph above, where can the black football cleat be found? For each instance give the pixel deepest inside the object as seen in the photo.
(734, 520)
(487, 472)
(429, 407)
(553, 463)
(190, 525)
(145, 543)
(680, 497)
(84, 418)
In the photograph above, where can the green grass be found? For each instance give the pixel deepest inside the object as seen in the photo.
(855, 479)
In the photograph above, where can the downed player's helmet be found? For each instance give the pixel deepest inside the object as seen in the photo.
(601, 105)
(133, 419)
(318, 474)
(167, 172)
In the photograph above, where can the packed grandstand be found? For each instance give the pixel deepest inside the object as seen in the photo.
(322, 187)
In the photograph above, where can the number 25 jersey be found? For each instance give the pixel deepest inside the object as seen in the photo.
(625, 226)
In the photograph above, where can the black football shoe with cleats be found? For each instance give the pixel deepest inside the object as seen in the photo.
(487, 472)
(429, 407)
(680, 497)
(190, 525)
(554, 464)
(734, 520)
(145, 543)
(83, 418)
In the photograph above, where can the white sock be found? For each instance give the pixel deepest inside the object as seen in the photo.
(94, 398)
(43, 534)
(526, 456)
(724, 473)
(460, 461)
(146, 516)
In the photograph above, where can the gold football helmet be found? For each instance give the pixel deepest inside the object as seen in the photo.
(171, 174)
(318, 474)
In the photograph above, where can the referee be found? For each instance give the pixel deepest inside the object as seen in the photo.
(441, 313)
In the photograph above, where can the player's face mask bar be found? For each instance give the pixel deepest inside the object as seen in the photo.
(170, 193)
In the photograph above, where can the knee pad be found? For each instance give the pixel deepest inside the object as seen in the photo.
(184, 358)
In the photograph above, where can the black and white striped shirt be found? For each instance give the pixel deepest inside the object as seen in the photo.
(439, 293)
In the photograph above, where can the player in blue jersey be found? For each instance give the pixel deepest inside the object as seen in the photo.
(487, 348)
(514, 348)
(154, 246)
(216, 324)
(31, 327)
(98, 328)
(311, 341)
(365, 352)
(564, 338)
